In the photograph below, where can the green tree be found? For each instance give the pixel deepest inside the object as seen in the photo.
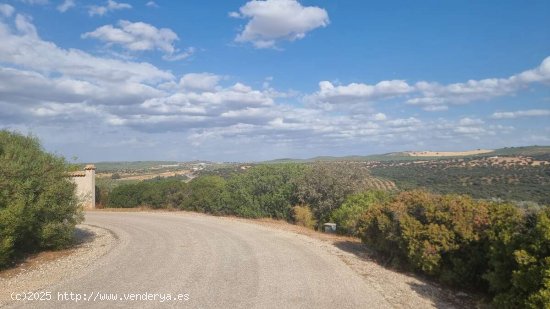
(325, 186)
(38, 207)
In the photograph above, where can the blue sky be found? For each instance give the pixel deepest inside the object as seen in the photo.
(257, 80)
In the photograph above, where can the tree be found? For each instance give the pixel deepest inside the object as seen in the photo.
(38, 207)
(325, 186)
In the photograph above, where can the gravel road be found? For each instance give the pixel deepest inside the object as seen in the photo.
(208, 262)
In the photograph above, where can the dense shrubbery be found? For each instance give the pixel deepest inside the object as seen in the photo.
(264, 191)
(347, 216)
(466, 243)
(204, 194)
(153, 193)
(38, 208)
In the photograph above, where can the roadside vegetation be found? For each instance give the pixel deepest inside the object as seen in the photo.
(38, 208)
(481, 245)
(486, 246)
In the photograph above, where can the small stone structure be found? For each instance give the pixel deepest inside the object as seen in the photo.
(85, 186)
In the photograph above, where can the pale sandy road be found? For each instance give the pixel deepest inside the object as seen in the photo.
(218, 263)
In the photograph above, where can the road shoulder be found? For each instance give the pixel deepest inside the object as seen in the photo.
(49, 268)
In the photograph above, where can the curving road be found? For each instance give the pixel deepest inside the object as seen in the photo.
(218, 263)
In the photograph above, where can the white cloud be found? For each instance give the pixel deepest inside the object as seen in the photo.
(330, 96)
(33, 2)
(109, 7)
(522, 113)
(25, 26)
(470, 121)
(380, 116)
(140, 36)
(152, 4)
(234, 15)
(6, 10)
(434, 96)
(275, 20)
(66, 5)
(431, 96)
(200, 81)
(69, 96)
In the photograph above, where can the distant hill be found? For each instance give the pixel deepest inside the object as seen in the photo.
(537, 152)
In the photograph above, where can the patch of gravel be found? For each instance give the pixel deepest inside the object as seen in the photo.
(50, 268)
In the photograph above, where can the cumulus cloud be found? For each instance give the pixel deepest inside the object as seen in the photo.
(152, 4)
(521, 113)
(330, 95)
(139, 36)
(431, 96)
(271, 21)
(108, 7)
(200, 81)
(66, 5)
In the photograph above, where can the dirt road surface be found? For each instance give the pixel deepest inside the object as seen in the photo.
(162, 260)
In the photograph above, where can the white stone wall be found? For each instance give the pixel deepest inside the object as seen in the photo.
(85, 187)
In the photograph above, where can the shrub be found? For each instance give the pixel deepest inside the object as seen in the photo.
(264, 191)
(303, 216)
(154, 194)
(519, 272)
(325, 186)
(347, 216)
(438, 235)
(38, 207)
(204, 194)
(494, 247)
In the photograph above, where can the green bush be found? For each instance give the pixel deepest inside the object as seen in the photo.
(38, 207)
(264, 191)
(347, 216)
(493, 247)
(153, 193)
(519, 269)
(438, 235)
(204, 194)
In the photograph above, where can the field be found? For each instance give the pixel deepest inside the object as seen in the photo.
(510, 178)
